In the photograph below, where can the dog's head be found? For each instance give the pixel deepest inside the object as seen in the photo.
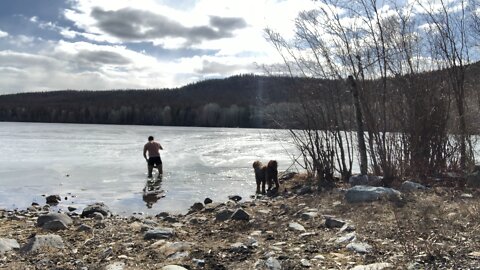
(272, 164)
(257, 164)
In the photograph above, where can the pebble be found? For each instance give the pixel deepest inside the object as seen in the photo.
(159, 233)
(296, 226)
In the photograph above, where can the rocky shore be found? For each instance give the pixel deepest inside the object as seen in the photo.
(302, 227)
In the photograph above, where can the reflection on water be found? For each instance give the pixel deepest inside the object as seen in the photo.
(153, 191)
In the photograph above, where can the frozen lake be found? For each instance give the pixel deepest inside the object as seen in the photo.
(104, 163)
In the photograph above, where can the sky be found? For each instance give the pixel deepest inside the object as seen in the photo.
(125, 44)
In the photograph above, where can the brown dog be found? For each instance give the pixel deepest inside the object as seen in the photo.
(266, 175)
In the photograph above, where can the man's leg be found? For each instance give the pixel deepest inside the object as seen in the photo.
(150, 169)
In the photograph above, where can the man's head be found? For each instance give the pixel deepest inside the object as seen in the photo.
(150, 138)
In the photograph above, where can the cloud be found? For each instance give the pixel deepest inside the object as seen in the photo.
(103, 57)
(3, 34)
(140, 25)
(214, 67)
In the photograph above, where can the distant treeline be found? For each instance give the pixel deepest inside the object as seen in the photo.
(238, 101)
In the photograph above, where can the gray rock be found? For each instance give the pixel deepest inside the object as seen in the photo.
(196, 207)
(55, 225)
(347, 228)
(169, 249)
(358, 194)
(240, 214)
(473, 179)
(332, 222)
(466, 196)
(223, 215)
(96, 208)
(296, 226)
(373, 266)
(349, 237)
(304, 190)
(53, 199)
(170, 219)
(273, 264)
(197, 220)
(97, 216)
(309, 215)
(359, 247)
(173, 267)
(43, 219)
(115, 266)
(305, 263)
(8, 244)
(159, 233)
(409, 186)
(287, 176)
(365, 180)
(84, 228)
(71, 208)
(40, 241)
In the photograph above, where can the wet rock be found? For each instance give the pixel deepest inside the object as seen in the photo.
(7, 244)
(373, 266)
(115, 266)
(207, 201)
(43, 241)
(173, 267)
(365, 180)
(296, 226)
(53, 199)
(409, 186)
(196, 207)
(273, 264)
(359, 247)
(96, 208)
(84, 228)
(359, 194)
(349, 237)
(235, 198)
(332, 222)
(240, 214)
(51, 217)
(159, 233)
(162, 214)
(71, 208)
(223, 215)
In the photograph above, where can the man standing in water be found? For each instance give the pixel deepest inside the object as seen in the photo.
(153, 148)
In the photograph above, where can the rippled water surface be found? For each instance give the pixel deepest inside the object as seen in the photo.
(91, 163)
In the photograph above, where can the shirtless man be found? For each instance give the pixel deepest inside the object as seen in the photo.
(153, 148)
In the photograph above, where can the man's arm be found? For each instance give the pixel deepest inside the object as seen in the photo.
(145, 153)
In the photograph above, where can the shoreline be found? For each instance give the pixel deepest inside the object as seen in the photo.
(303, 228)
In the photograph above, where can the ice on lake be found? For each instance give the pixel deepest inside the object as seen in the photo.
(93, 163)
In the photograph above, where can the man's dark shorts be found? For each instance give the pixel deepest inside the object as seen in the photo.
(154, 161)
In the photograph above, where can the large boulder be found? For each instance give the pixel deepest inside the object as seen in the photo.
(96, 208)
(8, 244)
(359, 194)
(54, 221)
(410, 186)
(38, 242)
(241, 214)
